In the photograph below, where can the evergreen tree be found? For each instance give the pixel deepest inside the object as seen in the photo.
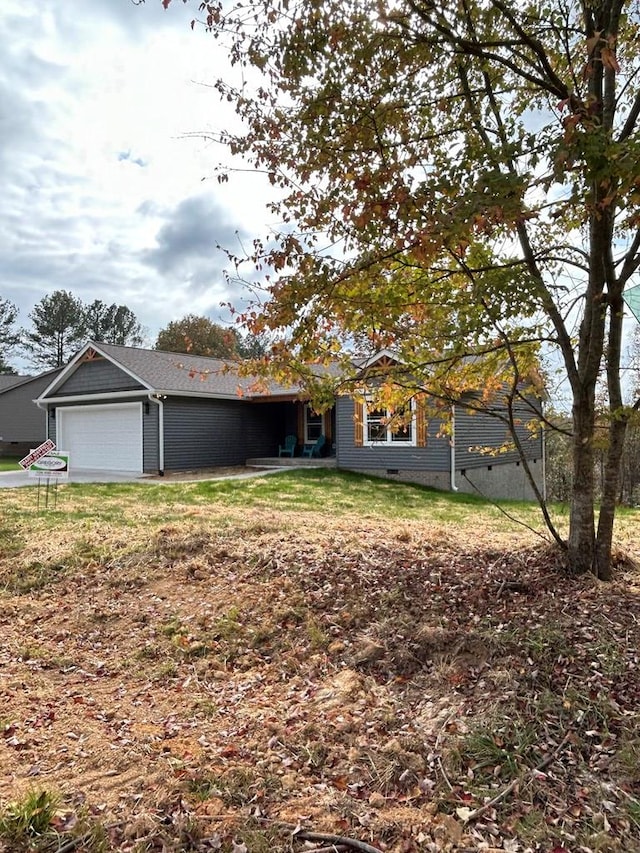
(112, 324)
(9, 337)
(59, 328)
(252, 345)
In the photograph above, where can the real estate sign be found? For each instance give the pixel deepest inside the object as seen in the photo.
(53, 466)
(37, 453)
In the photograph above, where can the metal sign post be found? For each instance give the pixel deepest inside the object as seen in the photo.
(47, 492)
(48, 464)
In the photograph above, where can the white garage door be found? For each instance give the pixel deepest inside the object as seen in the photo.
(101, 438)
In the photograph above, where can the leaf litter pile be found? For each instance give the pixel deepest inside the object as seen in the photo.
(293, 681)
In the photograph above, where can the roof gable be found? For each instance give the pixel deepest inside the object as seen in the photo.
(156, 372)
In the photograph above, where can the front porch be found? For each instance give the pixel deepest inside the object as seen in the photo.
(288, 462)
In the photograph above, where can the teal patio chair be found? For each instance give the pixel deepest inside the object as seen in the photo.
(315, 449)
(289, 446)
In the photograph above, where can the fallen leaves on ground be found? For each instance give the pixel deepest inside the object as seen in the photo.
(214, 687)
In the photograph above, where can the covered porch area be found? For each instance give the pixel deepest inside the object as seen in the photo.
(295, 429)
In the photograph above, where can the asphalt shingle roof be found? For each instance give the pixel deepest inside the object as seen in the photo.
(187, 374)
(9, 380)
(170, 371)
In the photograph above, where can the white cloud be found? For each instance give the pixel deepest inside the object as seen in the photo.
(102, 193)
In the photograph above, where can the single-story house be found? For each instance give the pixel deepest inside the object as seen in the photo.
(128, 409)
(146, 411)
(22, 424)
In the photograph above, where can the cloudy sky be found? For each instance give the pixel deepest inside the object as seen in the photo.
(102, 194)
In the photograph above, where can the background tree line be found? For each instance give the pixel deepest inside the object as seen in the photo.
(61, 323)
(559, 462)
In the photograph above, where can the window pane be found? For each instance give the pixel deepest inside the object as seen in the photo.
(313, 425)
(376, 430)
(379, 430)
(402, 434)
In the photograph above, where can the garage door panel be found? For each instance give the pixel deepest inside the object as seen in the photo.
(102, 438)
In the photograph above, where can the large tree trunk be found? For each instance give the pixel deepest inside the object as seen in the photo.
(581, 544)
(604, 540)
(619, 419)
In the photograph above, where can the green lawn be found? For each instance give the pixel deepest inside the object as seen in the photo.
(9, 463)
(317, 492)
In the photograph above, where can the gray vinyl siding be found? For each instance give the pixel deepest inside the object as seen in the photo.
(477, 431)
(150, 438)
(20, 419)
(207, 433)
(97, 377)
(201, 433)
(434, 457)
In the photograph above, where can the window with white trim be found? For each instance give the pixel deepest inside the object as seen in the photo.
(312, 425)
(390, 428)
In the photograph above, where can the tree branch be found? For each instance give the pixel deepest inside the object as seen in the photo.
(304, 835)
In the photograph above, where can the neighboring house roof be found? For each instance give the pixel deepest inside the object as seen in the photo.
(12, 382)
(22, 422)
(160, 372)
(9, 380)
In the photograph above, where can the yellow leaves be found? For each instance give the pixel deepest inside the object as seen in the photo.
(601, 48)
(609, 59)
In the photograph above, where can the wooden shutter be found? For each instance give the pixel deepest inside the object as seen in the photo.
(301, 435)
(326, 425)
(421, 422)
(358, 422)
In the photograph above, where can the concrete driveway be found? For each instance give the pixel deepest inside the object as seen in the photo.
(14, 479)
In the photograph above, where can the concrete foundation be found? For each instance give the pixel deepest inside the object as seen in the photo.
(498, 481)
(508, 482)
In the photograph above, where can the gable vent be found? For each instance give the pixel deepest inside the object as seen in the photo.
(91, 355)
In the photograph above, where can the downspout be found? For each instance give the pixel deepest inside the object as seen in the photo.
(45, 408)
(160, 405)
(452, 450)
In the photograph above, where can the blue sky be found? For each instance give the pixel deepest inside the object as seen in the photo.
(102, 192)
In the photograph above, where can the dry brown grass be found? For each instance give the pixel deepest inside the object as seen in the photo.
(215, 666)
